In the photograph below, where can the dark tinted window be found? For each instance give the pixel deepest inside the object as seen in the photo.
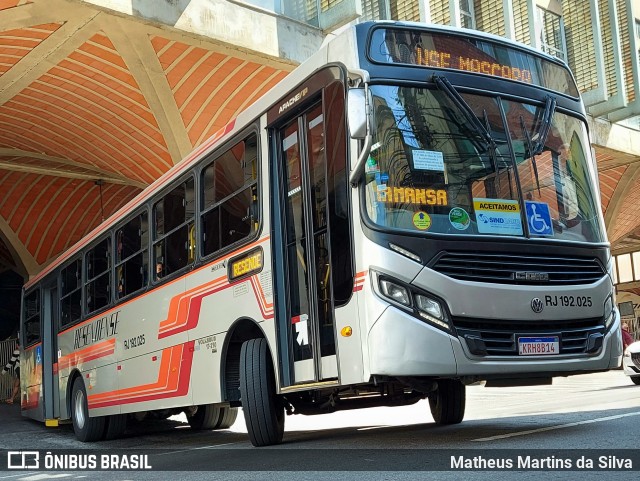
(98, 280)
(229, 197)
(174, 233)
(31, 313)
(71, 298)
(132, 255)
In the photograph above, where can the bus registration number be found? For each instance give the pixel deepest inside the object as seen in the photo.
(538, 346)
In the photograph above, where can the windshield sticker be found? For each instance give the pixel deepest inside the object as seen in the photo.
(409, 195)
(421, 220)
(371, 165)
(498, 216)
(459, 218)
(539, 218)
(428, 160)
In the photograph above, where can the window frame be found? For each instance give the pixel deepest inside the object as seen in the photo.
(209, 161)
(155, 239)
(561, 52)
(109, 271)
(27, 320)
(143, 209)
(79, 257)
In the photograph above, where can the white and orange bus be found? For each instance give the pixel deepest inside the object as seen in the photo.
(412, 210)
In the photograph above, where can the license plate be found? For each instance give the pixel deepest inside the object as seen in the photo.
(538, 346)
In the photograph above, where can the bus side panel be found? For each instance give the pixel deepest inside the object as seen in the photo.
(218, 304)
(92, 353)
(155, 357)
(31, 383)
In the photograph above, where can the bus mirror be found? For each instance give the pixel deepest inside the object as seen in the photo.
(357, 113)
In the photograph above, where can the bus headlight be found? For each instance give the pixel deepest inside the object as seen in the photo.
(431, 310)
(395, 292)
(411, 299)
(609, 313)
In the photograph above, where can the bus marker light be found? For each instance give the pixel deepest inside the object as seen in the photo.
(154, 358)
(346, 331)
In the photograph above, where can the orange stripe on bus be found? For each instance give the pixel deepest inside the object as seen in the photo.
(168, 374)
(179, 305)
(87, 354)
(173, 380)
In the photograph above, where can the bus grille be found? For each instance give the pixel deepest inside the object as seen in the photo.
(500, 338)
(635, 357)
(518, 268)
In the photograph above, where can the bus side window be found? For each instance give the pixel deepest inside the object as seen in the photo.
(132, 261)
(173, 236)
(229, 197)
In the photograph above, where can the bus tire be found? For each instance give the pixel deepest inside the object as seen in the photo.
(263, 414)
(115, 426)
(635, 380)
(206, 417)
(447, 403)
(227, 418)
(86, 429)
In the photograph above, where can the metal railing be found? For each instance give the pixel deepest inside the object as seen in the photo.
(6, 382)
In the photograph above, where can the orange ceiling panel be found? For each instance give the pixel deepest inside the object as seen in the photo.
(89, 109)
(11, 3)
(16, 44)
(609, 182)
(211, 88)
(627, 219)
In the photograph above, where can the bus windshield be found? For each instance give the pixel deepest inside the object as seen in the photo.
(463, 164)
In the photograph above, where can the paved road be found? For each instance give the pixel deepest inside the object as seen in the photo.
(550, 424)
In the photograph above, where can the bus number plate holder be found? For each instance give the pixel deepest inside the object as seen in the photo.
(538, 346)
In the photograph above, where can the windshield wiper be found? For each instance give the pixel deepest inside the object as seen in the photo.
(532, 155)
(477, 128)
(540, 137)
(445, 86)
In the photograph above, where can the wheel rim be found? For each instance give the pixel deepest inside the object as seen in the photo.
(78, 412)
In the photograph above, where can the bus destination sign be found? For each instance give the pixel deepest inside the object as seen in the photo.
(436, 58)
(477, 55)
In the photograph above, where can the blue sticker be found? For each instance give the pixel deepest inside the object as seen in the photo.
(384, 177)
(38, 355)
(539, 218)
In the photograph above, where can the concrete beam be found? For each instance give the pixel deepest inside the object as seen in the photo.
(26, 264)
(134, 46)
(77, 27)
(614, 136)
(240, 24)
(88, 172)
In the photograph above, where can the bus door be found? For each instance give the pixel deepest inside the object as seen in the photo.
(50, 322)
(306, 314)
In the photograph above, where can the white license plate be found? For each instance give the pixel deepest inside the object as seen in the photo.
(538, 346)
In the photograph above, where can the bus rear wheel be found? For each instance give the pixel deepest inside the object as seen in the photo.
(206, 416)
(447, 403)
(85, 428)
(263, 414)
(227, 418)
(115, 426)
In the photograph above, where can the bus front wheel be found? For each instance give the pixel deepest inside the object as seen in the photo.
(263, 414)
(85, 428)
(447, 403)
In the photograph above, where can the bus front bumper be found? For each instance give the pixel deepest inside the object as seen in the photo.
(402, 345)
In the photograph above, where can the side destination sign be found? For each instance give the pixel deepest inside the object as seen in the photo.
(248, 263)
(498, 216)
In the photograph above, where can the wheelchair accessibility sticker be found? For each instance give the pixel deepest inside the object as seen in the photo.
(539, 218)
